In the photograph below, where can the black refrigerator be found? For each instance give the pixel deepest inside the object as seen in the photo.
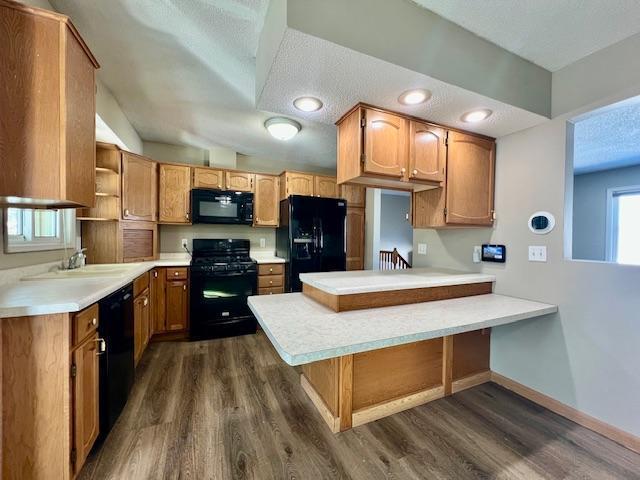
(311, 237)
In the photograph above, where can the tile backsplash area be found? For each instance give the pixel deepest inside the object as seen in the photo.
(171, 235)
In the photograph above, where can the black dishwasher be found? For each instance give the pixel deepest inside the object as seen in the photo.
(116, 363)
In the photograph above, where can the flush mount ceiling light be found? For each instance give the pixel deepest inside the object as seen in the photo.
(282, 128)
(307, 104)
(414, 97)
(476, 115)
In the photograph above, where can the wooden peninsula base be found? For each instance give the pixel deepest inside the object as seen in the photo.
(355, 389)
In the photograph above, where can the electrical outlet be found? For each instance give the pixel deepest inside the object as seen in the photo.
(477, 254)
(422, 249)
(537, 253)
(185, 243)
(263, 242)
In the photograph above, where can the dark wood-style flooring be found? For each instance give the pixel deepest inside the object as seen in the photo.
(231, 408)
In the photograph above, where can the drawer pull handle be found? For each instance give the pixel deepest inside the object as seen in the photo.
(94, 321)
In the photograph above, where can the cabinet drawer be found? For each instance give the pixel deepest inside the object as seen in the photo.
(84, 323)
(179, 273)
(266, 281)
(140, 283)
(271, 269)
(270, 290)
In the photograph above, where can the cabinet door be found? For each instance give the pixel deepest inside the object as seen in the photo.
(177, 305)
(325, 187)
(470, 174)
(427, 152)
(385, 144)
(355, 195)
(157, 295)
(355, 238)
(298, 184)
(266, 204)
(174, 195)
(139, 188)
(208, 178)
(239, 181)
(85, 413)
(138, 330)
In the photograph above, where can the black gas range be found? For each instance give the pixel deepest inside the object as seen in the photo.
(222, 277)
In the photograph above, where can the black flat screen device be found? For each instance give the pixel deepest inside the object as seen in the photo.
(494, 253)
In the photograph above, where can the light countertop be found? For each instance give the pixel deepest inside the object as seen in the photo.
(304, 331)
(265, 257)
(367, 281)
(48, 296)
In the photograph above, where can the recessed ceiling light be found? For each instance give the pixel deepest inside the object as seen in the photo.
(282, 128)
(476, 115)
(414, 97)
(307, 104)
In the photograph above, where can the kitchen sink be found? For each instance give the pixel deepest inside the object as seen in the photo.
(96, 271)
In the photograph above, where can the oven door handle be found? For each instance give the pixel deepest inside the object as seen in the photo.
(223, 275)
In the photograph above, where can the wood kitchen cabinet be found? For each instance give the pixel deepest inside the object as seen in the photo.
(385, 143)
(466, 198)
(355, 195)
(427, 152)
(239, 181)
(296, 183)
(120, 241)
(208, 178)
(141, 315)
(266, 202)
(139, 188)
(355, 237)
(158, 293)
(270, 278)
(325, 187)
(174, 193)
(177, 305)
(85, 384)
(47, 100)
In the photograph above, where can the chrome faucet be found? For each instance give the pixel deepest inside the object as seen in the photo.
(77, 259)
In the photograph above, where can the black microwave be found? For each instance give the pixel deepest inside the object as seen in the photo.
(222, 206)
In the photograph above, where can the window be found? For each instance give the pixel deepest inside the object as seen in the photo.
(623, 227)
(32, 230)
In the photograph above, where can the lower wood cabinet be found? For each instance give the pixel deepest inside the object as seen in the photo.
(270, 278)
(141, 318)
(85, 371)
(169, 292)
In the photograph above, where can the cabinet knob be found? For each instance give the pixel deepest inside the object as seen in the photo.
(176, 274)
(402, 170)
(184, 287)
(126, 212)
(146, 301)
(415, 172)
(186, 215)
(155, 274)
(270, 282)
(271, 270)
(94, 321)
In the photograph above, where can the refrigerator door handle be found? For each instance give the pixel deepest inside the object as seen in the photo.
(321, 234)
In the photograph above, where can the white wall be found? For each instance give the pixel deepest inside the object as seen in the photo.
(164, 152)
(109, 110)
(590, 209)
(395, 229)
(452, 248)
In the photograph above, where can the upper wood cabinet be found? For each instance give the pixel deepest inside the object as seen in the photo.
(208, 178)
(266, 201)
(47, 100)
(385, 143)
(239, 181)
(427, 152)
(355, 195)
(470, 178)
(296, 183)
(466, 199)
(326, 187)
(174, 196)
(139, 188)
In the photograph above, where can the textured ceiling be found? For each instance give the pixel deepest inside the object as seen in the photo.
(340, 77)
(608, 139)
(183, 72)
(550, 33)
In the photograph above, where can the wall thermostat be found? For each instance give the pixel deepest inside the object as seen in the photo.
(494, 253)
(541, 223)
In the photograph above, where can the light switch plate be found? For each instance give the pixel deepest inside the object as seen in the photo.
(263, 242)
(477, 254)
(537, 253)
(422, 249)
